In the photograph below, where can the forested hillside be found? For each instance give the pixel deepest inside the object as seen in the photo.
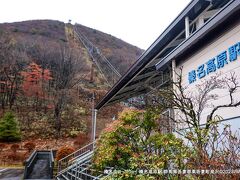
(47, 78)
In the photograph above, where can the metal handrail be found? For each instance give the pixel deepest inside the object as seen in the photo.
(67, 160)
(78, 169)
(29, 161)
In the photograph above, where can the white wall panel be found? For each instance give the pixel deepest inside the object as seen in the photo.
(201, 57)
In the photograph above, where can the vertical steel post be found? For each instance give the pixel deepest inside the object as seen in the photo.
(187, 27)
(174, 79)
(93, 117)
(94, 124)
(174, 70)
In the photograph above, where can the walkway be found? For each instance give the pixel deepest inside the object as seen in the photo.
(40, 170)
(11, 174)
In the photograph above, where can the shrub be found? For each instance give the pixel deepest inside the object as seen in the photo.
(2, 146)
(73, 133)
(13, 157)
(122, 146)
(29, 146)
(81, 139)
(14, 148)
(15, 30)
(9, 128)
(64, 151)
(63, 40)
(44, 33)
(33, 31)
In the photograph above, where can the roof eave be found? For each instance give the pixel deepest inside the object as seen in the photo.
(148, 55)
(213, 23)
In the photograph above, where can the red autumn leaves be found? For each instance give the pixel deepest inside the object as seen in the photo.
(35, 81)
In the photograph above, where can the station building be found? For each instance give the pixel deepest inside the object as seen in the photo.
(203, 41)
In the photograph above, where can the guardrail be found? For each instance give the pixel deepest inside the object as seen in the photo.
(68, 160)
(36, 156)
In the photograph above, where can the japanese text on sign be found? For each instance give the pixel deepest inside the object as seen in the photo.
(212, 65)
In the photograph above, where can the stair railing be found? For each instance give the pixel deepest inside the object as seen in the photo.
(68, 160)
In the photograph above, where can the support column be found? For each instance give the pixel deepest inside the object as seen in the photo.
(174, 79)
(94, 124)
(94, 127)
(186, 27)
(173, 70)
(94, 117)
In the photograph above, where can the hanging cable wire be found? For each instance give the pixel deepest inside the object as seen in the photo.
(106, 69)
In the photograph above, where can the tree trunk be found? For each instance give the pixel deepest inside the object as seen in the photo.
(57, 114)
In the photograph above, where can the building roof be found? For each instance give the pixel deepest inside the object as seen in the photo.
(143, 73)
(212, 28)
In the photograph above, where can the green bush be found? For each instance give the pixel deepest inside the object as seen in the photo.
(132, 143)
(9, 128)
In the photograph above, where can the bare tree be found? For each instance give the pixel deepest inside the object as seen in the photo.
(12, 58)
(189, 105)
(64, 68)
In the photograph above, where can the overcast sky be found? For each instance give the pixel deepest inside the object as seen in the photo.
(138, 22)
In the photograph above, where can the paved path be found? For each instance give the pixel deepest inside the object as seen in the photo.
(11, 174)
(40, 170)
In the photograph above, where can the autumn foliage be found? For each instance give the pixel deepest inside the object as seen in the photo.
(2, 146)
(14, 148)
(30, 146)
(64, 151)
(13, 157)
(34, 79)
(81, 140)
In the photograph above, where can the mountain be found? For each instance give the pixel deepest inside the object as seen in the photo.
(49, 33)
(48, 75)
(120, 53)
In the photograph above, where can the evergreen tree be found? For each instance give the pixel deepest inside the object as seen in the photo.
(9, 128)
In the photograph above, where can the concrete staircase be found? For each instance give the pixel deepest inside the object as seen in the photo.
(39, 165)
